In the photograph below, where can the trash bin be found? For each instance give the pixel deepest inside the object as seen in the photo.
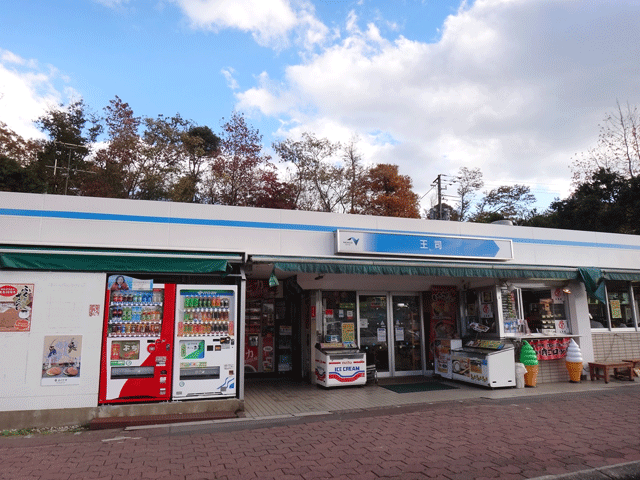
(520, 371)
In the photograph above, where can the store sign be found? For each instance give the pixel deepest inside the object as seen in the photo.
(371, 243)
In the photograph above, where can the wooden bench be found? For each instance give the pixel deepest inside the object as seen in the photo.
(635, 362)
(620, 370)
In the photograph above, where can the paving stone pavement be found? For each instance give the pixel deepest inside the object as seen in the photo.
(548, 436)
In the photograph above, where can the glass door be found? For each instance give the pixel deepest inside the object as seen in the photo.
(407, 342)
(373, 317)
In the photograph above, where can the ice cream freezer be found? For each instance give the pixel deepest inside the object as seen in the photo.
(337, 366)
(485, 362)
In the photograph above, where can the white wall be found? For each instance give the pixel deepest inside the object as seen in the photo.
(60, 307)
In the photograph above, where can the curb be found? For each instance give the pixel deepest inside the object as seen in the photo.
(622, 471)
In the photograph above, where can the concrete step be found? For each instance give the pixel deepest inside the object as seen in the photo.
(122, 422)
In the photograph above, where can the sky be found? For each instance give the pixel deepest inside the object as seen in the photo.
(516, 88)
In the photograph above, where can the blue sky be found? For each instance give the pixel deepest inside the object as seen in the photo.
(514, 87)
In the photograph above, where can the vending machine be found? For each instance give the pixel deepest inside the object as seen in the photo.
(137, 350)
(259, 337)
(205, 354)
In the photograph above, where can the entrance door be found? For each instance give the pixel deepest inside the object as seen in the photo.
(373, 316)
(407, 343)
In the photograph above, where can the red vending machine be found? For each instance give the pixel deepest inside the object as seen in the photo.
(137, 349)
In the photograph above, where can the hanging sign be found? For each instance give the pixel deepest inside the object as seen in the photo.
(551, 349)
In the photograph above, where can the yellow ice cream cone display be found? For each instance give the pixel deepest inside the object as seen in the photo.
(574, 362)
(529, 358)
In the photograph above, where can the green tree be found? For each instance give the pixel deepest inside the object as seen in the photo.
(201, 146)
(604, 203)
(62, 160)
(505, 202)
(15, 177)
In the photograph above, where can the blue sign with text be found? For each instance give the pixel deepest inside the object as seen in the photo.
(423, 245)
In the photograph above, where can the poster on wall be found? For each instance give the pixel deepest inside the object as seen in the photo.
(61, 360)
(16, 303)
(444, 304)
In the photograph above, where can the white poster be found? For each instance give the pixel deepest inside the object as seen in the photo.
(61, 360)
(486, 310)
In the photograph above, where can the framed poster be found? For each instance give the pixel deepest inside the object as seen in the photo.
(486, 297)
(61, 360)
(16, 304)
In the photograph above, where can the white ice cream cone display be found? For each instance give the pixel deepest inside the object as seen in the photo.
(574, 362)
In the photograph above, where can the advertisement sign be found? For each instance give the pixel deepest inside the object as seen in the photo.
(61, 360)
(551, 349)
(444, 304)
(16, 304)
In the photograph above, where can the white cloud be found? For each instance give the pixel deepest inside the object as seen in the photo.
(514, 87)
(231, 81)
(269, 22)
(26, 92)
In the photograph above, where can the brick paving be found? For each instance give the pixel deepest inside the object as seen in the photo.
(479, 439)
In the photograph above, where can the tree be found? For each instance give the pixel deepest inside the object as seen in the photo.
(120, 166)
(469, 181)
(63, 155)
(238, 166)
(15, 147)
(505, 202)
(15, 177)
(448, 212)
(355, 175)
(617, 149)
(390, 194)
(201, 146)
(604, 203)
(317, 177)
(272, 193)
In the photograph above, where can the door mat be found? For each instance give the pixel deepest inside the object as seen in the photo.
(418, 387)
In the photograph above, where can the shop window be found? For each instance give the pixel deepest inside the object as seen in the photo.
(480, 312)
(597, 314)
(545, 310)
(620, 305)
(339, 317)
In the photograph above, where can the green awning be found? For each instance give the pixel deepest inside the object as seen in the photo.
(427, 269)
(94, 260)
(624, 275)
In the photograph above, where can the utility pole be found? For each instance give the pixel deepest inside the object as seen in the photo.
(438, 183)
(71, 147)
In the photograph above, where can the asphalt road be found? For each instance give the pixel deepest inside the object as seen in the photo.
(593, 435)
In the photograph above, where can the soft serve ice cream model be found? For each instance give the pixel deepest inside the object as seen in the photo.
(529, 358)
(574, 361)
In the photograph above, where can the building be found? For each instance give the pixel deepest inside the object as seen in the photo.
(389, 286)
